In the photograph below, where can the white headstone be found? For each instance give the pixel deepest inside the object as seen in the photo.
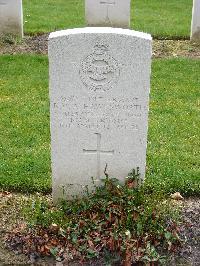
(195, 28)
(99, 96)
(11, 17)
(111, 13)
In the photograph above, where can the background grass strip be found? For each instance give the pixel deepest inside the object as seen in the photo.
(161, 18)
(173, 144)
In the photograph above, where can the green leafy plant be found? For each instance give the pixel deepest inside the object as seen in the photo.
(114, 219)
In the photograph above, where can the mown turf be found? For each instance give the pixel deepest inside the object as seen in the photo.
(51, 15)
(24, 122)
(173, 149)
(162, 18)
(166, 18)
(174, 143)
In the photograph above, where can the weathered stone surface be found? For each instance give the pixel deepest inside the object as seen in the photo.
(11, 17)
(99, 94)
(195, 28)
(111, 13)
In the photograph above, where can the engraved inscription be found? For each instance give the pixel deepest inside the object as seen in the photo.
(98, 113)
(107, 2)
(99, 70)
(98, 152)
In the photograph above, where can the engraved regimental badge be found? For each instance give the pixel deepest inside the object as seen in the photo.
(99, 70)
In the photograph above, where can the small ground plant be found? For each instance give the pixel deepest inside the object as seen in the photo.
(114, 219)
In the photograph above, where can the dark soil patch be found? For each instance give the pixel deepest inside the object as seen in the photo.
(30, 44)
(161, 48)
(10, 206)
(175, 48)
(190, 252)
(9, 210)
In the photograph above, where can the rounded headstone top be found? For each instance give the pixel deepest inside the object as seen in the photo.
(100, 30)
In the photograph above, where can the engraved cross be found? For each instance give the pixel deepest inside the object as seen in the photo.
(98, 152)
(107, 3)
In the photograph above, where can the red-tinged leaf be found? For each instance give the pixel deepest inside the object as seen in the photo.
(135, 216)
(91, 245)
(42, 248)
(47, 248)
(128, 258)
(54, 242)
(156, 243)
(94, 216)
(154, 215)
(81, 223)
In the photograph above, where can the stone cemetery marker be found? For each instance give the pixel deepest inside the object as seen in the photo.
(99, 95)
(113, 13)
(195, 28)
(11, 17)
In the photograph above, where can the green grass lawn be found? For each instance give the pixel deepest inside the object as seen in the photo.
(161, 18)
(173, 149)
(24, 125)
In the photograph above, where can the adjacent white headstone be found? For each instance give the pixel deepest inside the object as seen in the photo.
(111, 13)
(195, 28)
(11, 17)
(99, 95)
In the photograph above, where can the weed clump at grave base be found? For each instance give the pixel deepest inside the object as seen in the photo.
(114, 219)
